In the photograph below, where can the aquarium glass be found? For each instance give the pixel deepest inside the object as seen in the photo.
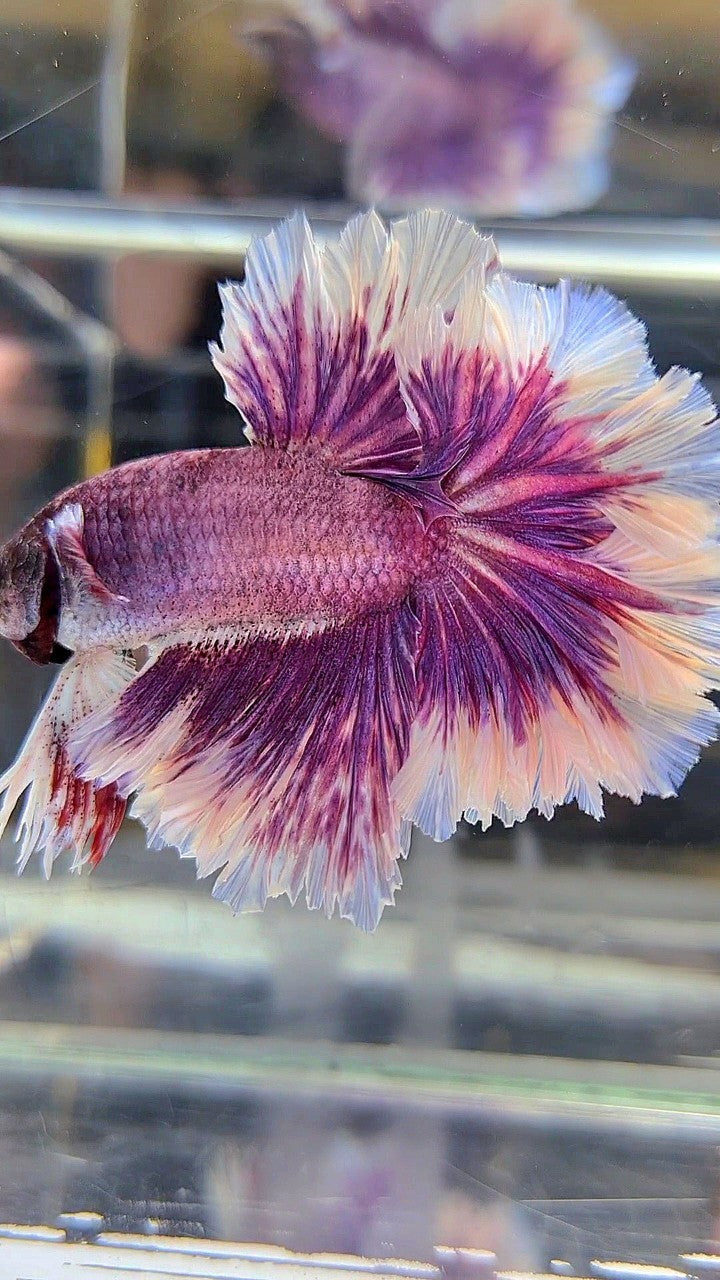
(518, 1070)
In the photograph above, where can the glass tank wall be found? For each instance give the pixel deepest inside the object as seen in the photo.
(522, 1060)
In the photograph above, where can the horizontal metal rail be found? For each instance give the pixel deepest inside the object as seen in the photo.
(542, 1094)
(667, 258)
(43, 1254)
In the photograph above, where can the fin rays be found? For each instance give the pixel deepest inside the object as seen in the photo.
(271, 760)
(560, 631)
(61, 810)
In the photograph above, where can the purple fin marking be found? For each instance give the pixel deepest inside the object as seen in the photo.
(308, 341)
(569, 646)
(270, 758)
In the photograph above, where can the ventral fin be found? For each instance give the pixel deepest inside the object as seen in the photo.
(62, 811)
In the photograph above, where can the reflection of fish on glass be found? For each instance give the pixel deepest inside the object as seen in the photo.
(486, 106)
(469, 565)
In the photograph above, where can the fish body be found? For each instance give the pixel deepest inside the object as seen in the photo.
(225, 537)
(469, 565)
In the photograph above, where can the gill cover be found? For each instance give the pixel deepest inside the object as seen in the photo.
(41, 644)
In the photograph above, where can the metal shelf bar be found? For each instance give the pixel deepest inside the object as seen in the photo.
(551, 1095)
(667, 258)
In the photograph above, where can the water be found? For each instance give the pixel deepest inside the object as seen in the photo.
(524, 1058)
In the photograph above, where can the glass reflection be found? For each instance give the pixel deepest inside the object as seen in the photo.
(495, 108)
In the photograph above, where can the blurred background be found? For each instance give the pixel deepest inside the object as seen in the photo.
(524, 1058)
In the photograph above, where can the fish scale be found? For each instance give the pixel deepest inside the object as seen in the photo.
(208, 538)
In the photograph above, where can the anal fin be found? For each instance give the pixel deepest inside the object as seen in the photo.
(270, 759)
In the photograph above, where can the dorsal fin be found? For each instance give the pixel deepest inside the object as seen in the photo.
(309, 341)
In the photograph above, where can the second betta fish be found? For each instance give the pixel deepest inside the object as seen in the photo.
(468, 566)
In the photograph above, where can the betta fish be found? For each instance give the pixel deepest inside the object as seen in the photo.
(468, 566)
(491, 107)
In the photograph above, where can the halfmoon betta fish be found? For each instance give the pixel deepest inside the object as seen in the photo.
(469, 565)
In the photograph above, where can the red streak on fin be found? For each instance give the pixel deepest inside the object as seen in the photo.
(110, 810)
(86, 816)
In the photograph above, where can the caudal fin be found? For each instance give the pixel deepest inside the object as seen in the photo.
(569, 644)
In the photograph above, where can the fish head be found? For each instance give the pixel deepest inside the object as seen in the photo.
(30, 596)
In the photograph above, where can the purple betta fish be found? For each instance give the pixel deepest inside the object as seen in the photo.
(489, 106)
(468, 566)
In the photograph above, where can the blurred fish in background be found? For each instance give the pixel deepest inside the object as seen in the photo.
(489, 107)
